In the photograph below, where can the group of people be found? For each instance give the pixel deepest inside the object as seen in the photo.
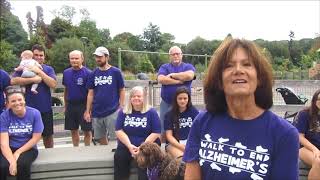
(235, 137)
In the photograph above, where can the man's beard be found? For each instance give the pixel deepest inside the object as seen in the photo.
(102, 64)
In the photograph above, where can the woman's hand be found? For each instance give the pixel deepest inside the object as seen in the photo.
(13, 168)
(16, 155)
(133, 150)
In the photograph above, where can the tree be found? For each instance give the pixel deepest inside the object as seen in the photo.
(152, 38)
(65, 12)
(144, 65)
(7, 59)
(134, 42)
(60, 28)
(11, 29)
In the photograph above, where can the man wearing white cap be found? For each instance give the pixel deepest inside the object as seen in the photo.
(105, 96)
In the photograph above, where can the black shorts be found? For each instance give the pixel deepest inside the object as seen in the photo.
(74, 117)
(47, 119)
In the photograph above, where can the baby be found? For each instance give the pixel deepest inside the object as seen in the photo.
(27, 61)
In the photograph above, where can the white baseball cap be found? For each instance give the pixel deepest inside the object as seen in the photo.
(100, 51)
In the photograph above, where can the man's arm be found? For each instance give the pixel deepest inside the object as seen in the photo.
(25, 81)
(183, 76)
(122, 96)
(167, 80)
(87, 113)
(49, 81)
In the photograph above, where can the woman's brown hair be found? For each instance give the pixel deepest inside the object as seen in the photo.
(213, 89)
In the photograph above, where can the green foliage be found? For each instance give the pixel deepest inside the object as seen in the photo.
(58, 54)
(11, 29)
(7, 59)
(200, 68)
(60, 28)
(134, 42)
(145, 65)
(152, 38)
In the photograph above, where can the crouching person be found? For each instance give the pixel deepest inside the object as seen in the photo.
(20, 131)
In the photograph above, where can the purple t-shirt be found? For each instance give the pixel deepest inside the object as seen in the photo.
(226, 148)
(302, 124)
(168, 91)
(106, 86)
(42, 100)
(185, 121)
(75, 81)
(4, 82)
(20, 130)
(138, 126)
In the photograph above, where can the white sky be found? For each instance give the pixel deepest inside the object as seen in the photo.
(269, 20)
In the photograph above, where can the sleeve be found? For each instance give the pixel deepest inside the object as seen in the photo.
(4, 123)
(120, 80)
(285, 162)
(189, 67)
(167, 123)
(302, 122)
(191, 152)
(162, 70)
(155, 125)
(5, 79)
(120, 120)
(63, 78)
(50, 72)
(37, 123)
(90, 81)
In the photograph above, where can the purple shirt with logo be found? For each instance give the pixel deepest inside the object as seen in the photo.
(20, 130)
(4, 82)
(185, 120)
(302, 124)
(106, 86)
(266, 147)
(42, 100)
(75, 81)
(168, 91)
(138, 126)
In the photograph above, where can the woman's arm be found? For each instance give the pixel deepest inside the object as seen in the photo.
(306, 143)
(193, 171)
(173, 141)
(152, 137)
(32, 142)
(7, 153)
(123, 137)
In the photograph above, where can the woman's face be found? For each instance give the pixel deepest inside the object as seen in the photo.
(16, 102)
(239, 78)
(182, 100)
(318, 102)
(137, 99)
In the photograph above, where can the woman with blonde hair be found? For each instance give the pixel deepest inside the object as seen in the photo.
(136, 123)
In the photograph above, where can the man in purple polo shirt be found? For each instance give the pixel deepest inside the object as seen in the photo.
(105, 96)
(46, 79)
(173, 75)
(75, 98)
(4, 82)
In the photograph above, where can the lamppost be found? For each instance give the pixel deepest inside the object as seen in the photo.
(84, 41)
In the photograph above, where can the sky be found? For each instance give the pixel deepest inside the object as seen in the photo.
(268, 20)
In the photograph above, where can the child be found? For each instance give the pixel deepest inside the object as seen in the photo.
(27, 61)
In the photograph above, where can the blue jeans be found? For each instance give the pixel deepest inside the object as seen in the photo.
(164, 108)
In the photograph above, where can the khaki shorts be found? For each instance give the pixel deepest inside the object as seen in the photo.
(105, 126)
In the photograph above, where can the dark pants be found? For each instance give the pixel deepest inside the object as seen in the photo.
(23, 165)
(122, 164)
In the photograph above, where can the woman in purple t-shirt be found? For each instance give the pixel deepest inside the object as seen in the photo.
(136, 123)
(20, 131)
(178, 121)
(308, 125)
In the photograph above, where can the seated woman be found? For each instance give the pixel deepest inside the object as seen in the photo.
(136, 123)
(308, 125)
(20, 131)
(178, 121)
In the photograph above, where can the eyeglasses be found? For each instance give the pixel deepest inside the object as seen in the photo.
(175, 54)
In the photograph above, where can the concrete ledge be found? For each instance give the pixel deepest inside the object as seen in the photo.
(93, 162)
